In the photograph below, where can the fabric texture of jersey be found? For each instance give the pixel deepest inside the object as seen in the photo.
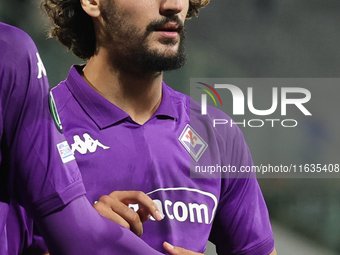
(115, 153)
(32, 173)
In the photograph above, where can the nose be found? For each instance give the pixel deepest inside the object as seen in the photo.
(171, 7)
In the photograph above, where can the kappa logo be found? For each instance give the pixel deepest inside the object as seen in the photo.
(89, 144)
(41, 68)
(192, 142)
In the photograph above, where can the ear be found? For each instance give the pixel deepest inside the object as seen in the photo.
(91, 7)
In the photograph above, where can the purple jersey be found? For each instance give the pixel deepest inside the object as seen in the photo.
(115, 153)
(37, 170)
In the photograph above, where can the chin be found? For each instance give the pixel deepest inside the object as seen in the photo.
(169, 51)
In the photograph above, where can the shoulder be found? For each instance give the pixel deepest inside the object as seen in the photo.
(22, 74)
(15, 44)
(61, 95)
(20, 63)
(63, 92)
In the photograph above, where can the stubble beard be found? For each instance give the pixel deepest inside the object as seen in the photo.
(130, 50)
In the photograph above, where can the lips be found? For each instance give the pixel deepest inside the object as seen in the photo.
(166, 28)
(169, 30)
(169, 27)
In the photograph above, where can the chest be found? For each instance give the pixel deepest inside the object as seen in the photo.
(153, 158)
(131, 157)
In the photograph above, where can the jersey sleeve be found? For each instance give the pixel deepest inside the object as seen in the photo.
(38, 175)
(86, 232)
(241, 225)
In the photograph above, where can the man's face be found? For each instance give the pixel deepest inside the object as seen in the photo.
(145, 34)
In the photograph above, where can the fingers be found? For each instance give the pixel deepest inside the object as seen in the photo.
(120, 213)
(147, 206)
(115, 207)
(173, 250)
(143, 213)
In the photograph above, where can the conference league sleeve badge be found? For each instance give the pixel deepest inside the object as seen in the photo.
(65, 152)
(54, 112)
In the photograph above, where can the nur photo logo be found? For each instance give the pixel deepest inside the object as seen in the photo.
(281, 101)
(204, 97)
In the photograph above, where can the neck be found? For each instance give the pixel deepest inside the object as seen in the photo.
(138, 93)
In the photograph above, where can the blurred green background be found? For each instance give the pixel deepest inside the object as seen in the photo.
(254, 39)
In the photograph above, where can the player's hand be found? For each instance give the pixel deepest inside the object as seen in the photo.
(115, 208)
(174, 250)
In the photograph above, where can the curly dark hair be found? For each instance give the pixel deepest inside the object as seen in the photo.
(74, 28)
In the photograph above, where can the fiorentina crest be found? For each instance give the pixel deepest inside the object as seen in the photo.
(192, 142)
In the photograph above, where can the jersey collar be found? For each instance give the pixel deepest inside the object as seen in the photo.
(103, 112)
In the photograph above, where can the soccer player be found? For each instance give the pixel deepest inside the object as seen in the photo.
(124, 121)
(38, 170)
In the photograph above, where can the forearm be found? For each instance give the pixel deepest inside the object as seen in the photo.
(79, 229)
